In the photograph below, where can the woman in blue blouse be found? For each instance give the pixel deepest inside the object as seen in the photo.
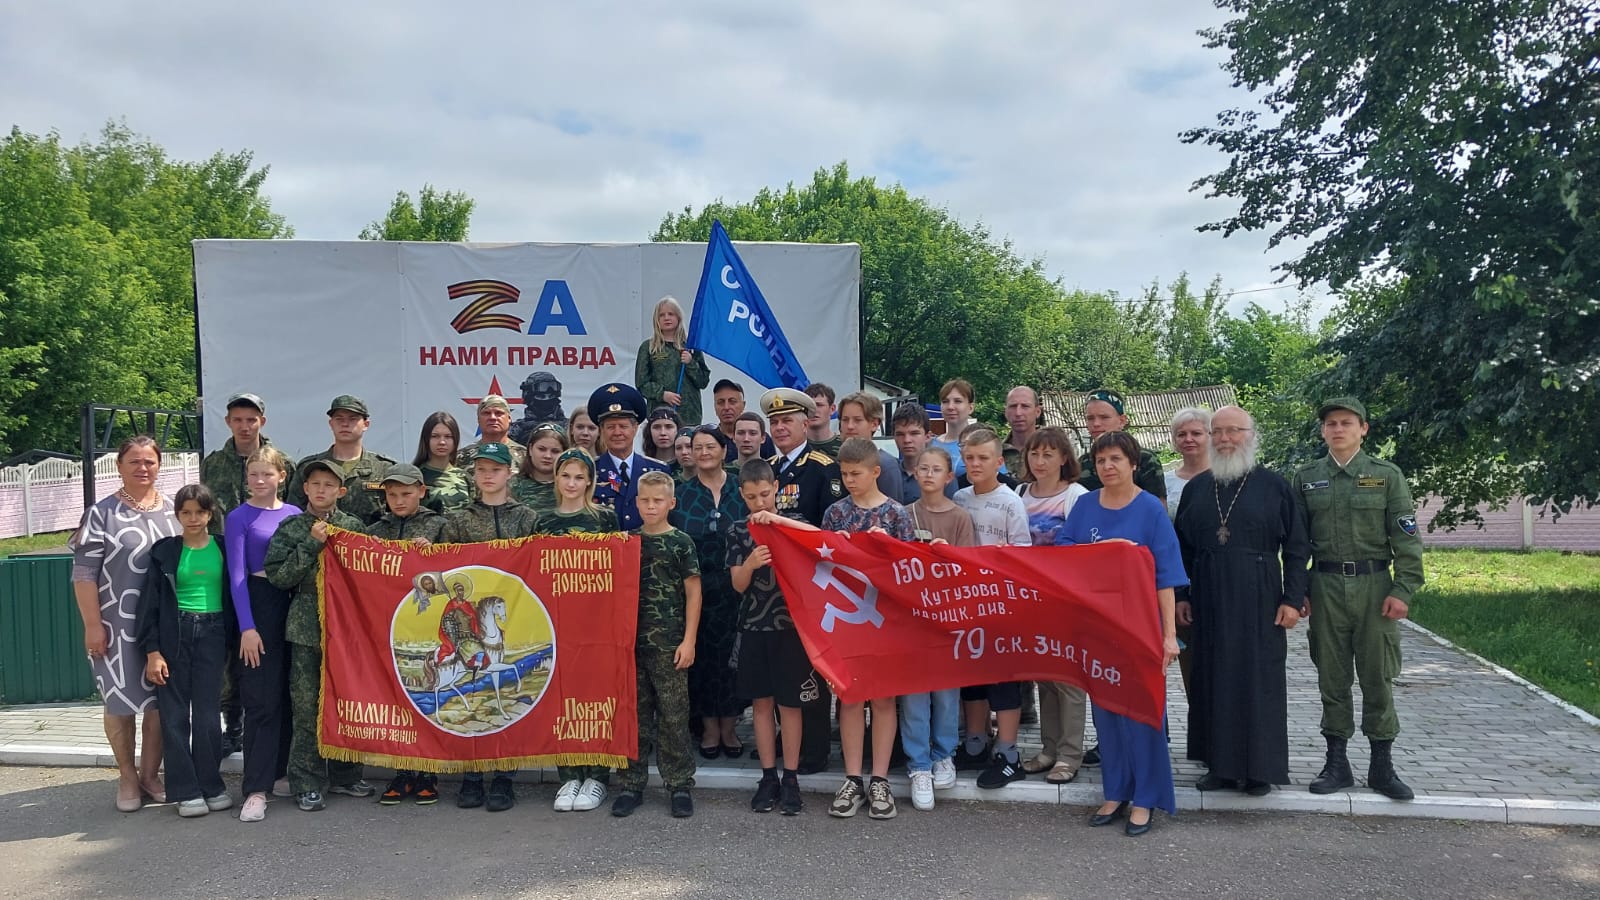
(1134, 764)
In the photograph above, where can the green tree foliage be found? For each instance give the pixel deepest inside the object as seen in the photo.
(96, 274)
(940, 299)
(1443, 158)
(435, 216)
(1273, 360)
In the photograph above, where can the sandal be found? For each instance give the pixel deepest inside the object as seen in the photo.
(1061, 773)
(733, 751)
(1038, 764)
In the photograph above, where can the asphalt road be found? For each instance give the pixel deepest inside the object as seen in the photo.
(60, 837)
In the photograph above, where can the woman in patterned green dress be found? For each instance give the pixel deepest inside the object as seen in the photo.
(708, 505)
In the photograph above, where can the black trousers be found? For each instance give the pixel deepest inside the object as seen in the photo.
(264, 690)
(191, 732)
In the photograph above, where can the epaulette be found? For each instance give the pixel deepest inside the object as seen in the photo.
(818, 456)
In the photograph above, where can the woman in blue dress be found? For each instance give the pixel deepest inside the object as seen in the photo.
(1134, 764)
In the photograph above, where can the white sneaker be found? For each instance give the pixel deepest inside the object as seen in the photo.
(280, 788)
(944, 774)
(190, 809)
(922, 790)
(255, 808)
(590, 795)
(565, 796)
(219, 803)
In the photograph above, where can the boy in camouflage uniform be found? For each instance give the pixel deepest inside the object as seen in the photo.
(669, 621)
(492, 516)
(359, 469)
(294, 557)
(408, 520)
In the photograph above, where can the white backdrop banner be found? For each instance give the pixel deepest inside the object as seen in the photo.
(416, 327)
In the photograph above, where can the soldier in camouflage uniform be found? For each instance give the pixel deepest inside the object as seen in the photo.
(360, 470)
(1363, 524)
(494, 421)
(223, 472)
(294, 557)
(669, 621)
(492, 516)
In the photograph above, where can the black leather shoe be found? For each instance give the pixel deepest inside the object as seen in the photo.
(682, 805)
(1099, 819)
(1257, 788)
(626, 803)
(1091, 757)
(1212, 782)
(811, 767)
(1132, 830)
(711, 752)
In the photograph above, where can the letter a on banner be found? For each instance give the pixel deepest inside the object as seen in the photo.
(732, 322)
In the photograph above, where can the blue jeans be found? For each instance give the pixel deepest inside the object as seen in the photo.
(928, 727)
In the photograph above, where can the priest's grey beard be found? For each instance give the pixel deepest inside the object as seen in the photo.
(1230, 467)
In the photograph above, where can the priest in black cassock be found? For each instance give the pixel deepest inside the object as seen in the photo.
(1233, 523)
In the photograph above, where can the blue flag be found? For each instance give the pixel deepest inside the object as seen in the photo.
(731, 320)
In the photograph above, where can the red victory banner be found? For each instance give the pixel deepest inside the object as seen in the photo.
(479, 657)
(882, 617)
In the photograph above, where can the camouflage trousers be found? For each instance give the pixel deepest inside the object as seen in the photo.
(663, 723)
(308, 771)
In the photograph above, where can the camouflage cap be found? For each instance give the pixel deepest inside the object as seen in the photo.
(349, 403)
(404, 473)
(248, 400)
(324, 464)
(1110, 397)
(779, 401)
(493, 451)
(494, 401)
(1348, 403)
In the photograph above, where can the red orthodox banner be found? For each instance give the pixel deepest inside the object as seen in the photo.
(478, 657)
(882, 617)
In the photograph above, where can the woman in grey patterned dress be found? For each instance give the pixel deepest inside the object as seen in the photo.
(111, 552)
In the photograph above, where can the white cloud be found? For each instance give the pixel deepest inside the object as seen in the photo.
(1054, 125)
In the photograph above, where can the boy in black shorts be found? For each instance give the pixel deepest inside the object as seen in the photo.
(773, 667)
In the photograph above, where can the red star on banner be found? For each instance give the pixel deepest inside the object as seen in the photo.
(494, 388)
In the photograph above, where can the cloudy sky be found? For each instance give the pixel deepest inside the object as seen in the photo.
(1053, 123)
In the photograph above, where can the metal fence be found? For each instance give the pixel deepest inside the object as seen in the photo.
(39, 498)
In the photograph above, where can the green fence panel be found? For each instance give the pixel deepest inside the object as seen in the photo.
(41, 635)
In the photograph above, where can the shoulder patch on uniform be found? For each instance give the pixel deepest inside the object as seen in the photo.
(1407, 523)
(1371, 481)
(1313, 485)
(834, 486)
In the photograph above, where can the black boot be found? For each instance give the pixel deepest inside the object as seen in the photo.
(1380, 774)
(1335, 774)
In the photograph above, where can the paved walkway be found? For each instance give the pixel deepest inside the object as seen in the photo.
(1475, 744)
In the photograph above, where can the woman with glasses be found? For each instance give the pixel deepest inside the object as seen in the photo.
(708, 505)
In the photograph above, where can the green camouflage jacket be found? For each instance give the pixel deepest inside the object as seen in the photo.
(293, 559)
(477, 521)
(223, 472)
(363, 482)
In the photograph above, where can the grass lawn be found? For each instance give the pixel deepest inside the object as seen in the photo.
(13, 546)
(1537, 614)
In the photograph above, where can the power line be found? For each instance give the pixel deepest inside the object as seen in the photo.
(1105, 299)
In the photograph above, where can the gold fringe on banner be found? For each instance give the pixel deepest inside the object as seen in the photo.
(498, 544)
(457, 766)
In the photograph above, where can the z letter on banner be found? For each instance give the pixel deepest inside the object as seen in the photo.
(882, 617)
(479, 657)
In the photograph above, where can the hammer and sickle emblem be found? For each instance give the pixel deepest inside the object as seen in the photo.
(863, 606)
